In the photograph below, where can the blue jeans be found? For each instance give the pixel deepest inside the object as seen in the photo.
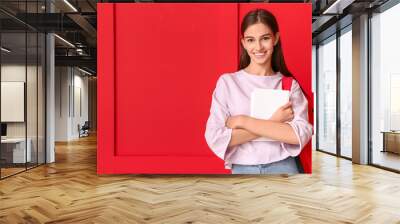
(286, 166)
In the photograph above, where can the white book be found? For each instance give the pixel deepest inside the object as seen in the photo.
(264, 102)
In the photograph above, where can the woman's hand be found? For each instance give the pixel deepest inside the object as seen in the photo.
(283, 114)
(236, 121)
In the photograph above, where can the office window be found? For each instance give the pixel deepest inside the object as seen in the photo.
(385, 88)
(327, 95)
(346, 92)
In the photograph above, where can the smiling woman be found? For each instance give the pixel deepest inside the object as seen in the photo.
(231, 133)
(260, 49)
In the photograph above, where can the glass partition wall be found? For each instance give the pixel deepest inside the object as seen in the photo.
(345, 65)
(326, 96)
(22, 87)
(334, 94)
(385, 90)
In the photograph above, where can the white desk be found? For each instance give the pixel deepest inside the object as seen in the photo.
(18, 150)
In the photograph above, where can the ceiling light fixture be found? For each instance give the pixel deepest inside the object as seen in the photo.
(70, 5)
(84, 71)
(337, 7)
(64, 40)
(5, 50)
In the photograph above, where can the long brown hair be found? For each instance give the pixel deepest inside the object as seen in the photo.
(268, 19)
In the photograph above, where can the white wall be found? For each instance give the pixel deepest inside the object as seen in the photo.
(12, 73)
(61, 103)
(79, 117)
(71, 93)
(33, 127)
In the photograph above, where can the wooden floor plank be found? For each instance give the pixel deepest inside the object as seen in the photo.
(70, 191)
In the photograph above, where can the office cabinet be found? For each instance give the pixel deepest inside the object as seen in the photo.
(391, 141)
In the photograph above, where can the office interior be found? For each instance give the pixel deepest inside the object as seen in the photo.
(354, 67)
(49, 80)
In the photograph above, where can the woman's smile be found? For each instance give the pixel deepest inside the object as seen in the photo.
(259, 55)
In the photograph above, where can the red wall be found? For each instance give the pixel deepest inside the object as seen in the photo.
(158, 65)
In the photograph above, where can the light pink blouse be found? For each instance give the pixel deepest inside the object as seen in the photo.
(232, 97)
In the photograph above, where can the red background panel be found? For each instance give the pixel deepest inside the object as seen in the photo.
(169, 57)
(158, 65)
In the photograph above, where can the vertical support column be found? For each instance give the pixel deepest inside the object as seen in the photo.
(360, 90)
(314, 91)
(50, 92)
(338, 98)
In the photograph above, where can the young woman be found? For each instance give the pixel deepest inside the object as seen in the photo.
(230, 130)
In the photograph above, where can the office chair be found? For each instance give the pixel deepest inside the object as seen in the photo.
(84, 130)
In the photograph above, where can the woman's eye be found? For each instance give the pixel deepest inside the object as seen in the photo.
(265, 38)
(249, 40)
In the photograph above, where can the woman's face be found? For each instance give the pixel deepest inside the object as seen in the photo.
(259, 42)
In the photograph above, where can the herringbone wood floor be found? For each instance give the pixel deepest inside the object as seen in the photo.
(70, 191)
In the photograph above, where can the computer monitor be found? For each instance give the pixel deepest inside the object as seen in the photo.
(3, 129)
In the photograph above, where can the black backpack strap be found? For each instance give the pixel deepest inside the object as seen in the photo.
(298, 163)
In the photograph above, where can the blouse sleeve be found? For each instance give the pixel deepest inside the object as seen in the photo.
(300, 124)
(217, 134)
